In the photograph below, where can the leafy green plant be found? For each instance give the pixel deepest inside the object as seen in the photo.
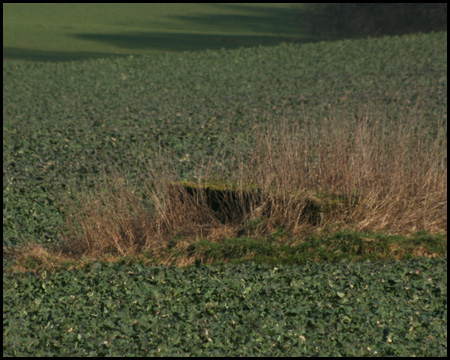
(341, 309)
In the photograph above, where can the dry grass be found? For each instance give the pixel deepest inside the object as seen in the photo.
(395, 172)
(391, 172)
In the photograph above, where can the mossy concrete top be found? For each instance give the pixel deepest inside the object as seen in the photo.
(321, 198)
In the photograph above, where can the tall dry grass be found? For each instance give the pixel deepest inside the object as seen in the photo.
(392, 171)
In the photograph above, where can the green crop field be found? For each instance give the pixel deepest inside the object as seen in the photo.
(55, 32)
(361, 309)
(224, 180)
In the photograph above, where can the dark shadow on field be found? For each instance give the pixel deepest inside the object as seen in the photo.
(281, 22)
(300, 24)
(183, 41)
(334, 21)
(13, 53)
(329, 21)
(268, 25)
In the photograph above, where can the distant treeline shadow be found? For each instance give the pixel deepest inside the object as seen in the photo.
(355, 20)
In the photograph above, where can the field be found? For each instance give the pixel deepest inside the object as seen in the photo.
(62, 32)
(361, 309)
(332, 236)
